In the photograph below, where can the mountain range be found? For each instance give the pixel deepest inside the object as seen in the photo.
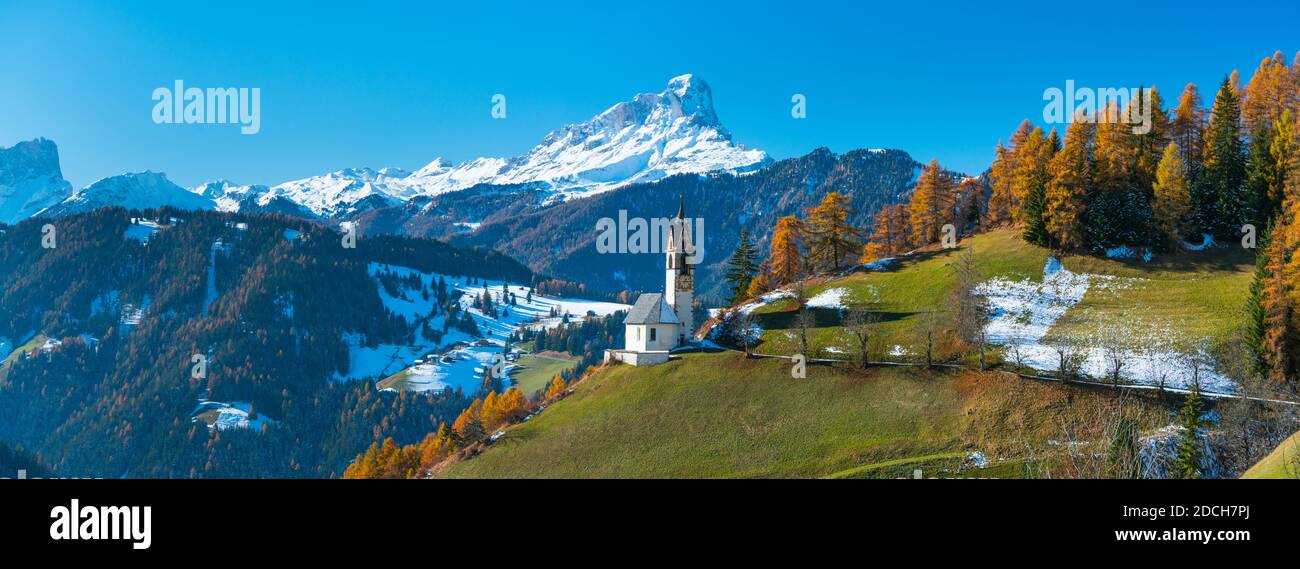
(638, 155)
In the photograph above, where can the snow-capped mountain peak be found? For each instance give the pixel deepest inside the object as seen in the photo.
(651, 136)
(30, 179)
(140, 190)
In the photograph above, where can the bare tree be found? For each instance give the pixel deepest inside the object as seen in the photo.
(746, 321)
(1069, 360)
(1116, 357)
(860, 324)
(927, 327)
(1015, 346)
(803, 321)
(971, 315)
(1157, 369)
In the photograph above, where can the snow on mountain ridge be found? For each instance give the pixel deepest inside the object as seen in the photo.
(139, 190)
(653, 136)
(30, 179)
(650, 137)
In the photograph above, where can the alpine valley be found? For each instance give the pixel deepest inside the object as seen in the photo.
(1079, 309)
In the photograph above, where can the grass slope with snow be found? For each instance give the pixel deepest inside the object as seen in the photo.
(1161, 313)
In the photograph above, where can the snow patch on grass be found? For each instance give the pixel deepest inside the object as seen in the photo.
(829, 298)
(1022, 312)
(461, 368)
(765, 300)
(233, 415)
(141, 230)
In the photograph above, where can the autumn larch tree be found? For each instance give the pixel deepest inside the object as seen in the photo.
(1067, 191)
(1188, 130)
(889, 235)
(1172, 202)
(1148, 147)
(1273, 90)
(931, 207)
(999, 212)
(787, 258)
(831, 236)
(1118, 209)
(1030, 183)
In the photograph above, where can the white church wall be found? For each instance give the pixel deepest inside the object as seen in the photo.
(638, 337)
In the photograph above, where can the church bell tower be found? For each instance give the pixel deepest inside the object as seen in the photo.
(679, 287)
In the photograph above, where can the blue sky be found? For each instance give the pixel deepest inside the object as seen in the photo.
(387, 84)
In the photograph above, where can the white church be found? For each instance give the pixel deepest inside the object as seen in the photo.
(657, 322)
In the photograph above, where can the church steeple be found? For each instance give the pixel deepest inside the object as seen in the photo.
(679, 285)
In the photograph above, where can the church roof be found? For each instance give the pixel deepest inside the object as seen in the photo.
(650, 308)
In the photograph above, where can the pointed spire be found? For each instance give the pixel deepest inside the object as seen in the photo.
(681, 206)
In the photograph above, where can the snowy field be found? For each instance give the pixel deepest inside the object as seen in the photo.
(829, 298)
(461, 367)
(1022, 312)
(141, 230)
(233, 415)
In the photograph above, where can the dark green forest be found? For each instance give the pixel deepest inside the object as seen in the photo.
(109, 397)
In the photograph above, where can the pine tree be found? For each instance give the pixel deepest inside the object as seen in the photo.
(1187, 460)
(741, 268)
(1067, 191)
(787, 259)
(1256, 314)
(832, 237)
(1035, 224)
(1219, 196)
(1172, 200)
(931, 205)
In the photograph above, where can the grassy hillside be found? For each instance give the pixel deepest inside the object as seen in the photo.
(721, 415)
(21, 351)
(534, 371)
(1283, 462)
(1184, 297)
